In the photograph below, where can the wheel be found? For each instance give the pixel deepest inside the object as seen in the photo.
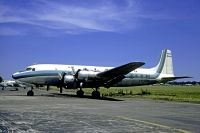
(30, 93)
(80, 93)
(95, 94)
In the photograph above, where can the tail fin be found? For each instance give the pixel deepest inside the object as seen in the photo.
(165, 65)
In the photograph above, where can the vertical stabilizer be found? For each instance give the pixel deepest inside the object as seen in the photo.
(165, 65)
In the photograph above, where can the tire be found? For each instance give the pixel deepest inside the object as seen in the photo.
(30, 93)
(80, 93)
(96, 94)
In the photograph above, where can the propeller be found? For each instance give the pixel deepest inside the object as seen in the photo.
(76, 74)
(62, 77)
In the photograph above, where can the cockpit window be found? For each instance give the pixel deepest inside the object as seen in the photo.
(28, 69)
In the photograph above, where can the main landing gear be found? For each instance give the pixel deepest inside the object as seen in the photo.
(61, 89)
(80, 93)
(95, 93)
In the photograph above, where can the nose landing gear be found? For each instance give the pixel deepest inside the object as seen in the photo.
(30, 92)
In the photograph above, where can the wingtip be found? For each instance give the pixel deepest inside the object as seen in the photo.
(139, 63)
(142, 63)
(188, 77)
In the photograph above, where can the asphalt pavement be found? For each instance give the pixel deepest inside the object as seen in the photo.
(53, 112)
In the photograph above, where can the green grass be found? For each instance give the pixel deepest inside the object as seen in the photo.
(158, 92)
(169, 93)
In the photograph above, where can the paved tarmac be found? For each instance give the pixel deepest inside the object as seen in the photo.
(53, 112)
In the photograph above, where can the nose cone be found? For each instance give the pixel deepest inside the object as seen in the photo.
(14, 76)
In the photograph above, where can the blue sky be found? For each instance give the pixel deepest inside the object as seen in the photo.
(99, 32)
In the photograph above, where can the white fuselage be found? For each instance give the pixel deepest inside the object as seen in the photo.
(51, 74)
(45, 74)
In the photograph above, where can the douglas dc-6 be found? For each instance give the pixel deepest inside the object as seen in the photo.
(78, 76)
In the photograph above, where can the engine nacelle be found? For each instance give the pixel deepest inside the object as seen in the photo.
(70, 82)
(69, 79)
(87, 75)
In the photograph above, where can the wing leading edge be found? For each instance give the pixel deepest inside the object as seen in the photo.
(121, 70)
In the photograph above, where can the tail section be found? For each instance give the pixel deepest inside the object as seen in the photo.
(164, 69)
(165, 65)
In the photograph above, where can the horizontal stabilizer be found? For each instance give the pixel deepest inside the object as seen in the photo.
(121, 70)
(174, 78)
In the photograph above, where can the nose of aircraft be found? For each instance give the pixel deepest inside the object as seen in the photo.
(14, 76)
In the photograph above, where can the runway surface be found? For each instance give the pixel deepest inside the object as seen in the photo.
(53, 112)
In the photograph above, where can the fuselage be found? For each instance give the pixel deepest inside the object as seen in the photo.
(48, 74)
(69, 75)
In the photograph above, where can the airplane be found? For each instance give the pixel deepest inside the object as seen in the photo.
(10, 83)
(79, 76)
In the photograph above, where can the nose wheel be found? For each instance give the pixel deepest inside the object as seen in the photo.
(30, 92)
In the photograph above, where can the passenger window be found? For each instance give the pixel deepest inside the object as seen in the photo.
(33, 69)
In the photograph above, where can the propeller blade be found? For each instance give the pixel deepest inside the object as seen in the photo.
(76, 74)
(60, 75)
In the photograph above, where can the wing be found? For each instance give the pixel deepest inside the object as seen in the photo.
(121, 70)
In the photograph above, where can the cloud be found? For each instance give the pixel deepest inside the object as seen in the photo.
(76, 17)
(63, 17)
